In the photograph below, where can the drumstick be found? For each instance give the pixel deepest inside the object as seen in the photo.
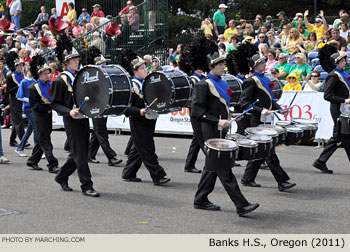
(245, 112)
(293, 99)
(85, 100)
(279, 110)
(147, 108)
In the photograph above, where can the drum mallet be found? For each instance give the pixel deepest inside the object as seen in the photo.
(246, 111)
(149, 106)
(85, 100)
(293, 99)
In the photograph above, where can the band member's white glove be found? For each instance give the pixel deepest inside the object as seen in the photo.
(266, 112)
(347, 101)
(223, 123)
(74, 112)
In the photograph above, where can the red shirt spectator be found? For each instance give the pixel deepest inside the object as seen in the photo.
(129, 5)
(97, 12)
(53, 76)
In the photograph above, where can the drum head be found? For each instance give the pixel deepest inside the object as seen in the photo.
(261, 131)
(234, 137)
(244, 142)
(221, 144)
(294, 129)
(91, 82)
(273, 127)
(302, 121)
(282, 123)
(158, 85)
(260, 138)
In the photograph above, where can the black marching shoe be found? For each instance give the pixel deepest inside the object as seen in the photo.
(161, 181)
(14, 144)
(247, 209)
(132, 179)
(249, 183)
(91, 193)
(285, 186)
(114, 161)
(93, 161)
(35, 167)
(64, 186)
(321, 166)
(206, 206)
(54, 169)
(192, 170)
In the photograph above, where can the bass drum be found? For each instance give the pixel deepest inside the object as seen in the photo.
(236, 85)
(277, 89)
(173, 90)
(108, 87)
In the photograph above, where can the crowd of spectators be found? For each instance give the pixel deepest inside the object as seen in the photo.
(290, 47)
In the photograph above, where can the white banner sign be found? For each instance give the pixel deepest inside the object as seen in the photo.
(62, 8)
(310, 105)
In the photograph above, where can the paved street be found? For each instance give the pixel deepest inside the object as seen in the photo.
(31, 202)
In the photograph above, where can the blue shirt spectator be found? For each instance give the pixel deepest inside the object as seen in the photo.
(84, 15)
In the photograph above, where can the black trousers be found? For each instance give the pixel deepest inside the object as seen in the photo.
(142, 150)
(273, 163)
(332, 145)
(43, 127)
(208, 179)
(99, 136)
(128, 146)
(192, 153)
(77, 131)
(17, 119)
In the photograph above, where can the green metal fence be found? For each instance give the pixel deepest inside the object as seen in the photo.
(153, 26)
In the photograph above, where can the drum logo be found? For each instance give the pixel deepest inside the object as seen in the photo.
(161, 105)
(89, 79)
(155, 80)
(94, 111)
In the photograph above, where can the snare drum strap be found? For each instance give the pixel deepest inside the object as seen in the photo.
(137, 87)
(260, 85)
(214, 92)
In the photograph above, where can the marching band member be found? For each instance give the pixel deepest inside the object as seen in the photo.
(142, 129)
(40, 101)
(210, 110)
(194, 61)
(13, 79)
(99, 135)
(258, 87)
(77, 130)
(337, 91)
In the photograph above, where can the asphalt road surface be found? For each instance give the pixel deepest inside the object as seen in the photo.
(31, 202)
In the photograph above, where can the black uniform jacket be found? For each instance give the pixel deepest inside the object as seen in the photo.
(253, 90)
(38, 102)
(61, 95)
(336, 91)
(208, 107)
(12, 84)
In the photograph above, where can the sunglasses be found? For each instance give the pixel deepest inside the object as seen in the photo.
(261, 37)
(292, 78)
(298, 57)
(314, 76)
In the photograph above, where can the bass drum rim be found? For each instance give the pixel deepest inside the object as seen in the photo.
(240, 82)
(280, 85)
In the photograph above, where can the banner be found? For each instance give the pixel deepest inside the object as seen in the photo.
(62, 8)
(310, 105)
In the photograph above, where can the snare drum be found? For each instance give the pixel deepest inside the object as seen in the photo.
(247, 149)
(234, 137)
(293, 135)
(236, 85)
(309, 126)
(278, 88)
(173, 90)
(345, 124)
(281, 132)
(109, 89)
(265, 145)
(263, 131)
(220, 153)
